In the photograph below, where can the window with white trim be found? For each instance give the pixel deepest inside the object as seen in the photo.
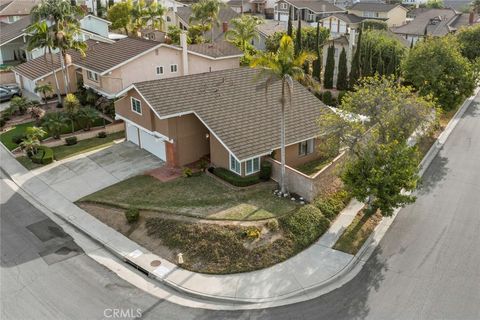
(305, 147)
(283, 6)
(92, 76)
(252, 165)
(370, 14)
(173, 68)
(136, 105)
(234, 165)
(159, 70)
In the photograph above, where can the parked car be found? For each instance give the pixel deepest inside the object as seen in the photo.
(8, 91)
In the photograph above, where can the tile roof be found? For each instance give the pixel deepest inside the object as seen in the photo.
(347, 17)
(269, 27)
(317, 6)
(14, 30)
(18, 7)
(374, 6)
(225, 15)
(38, 67)
(103, 56)
(422, 24)
(233, 105)
(217, 49)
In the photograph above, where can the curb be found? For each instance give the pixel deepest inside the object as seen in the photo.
(342, 277)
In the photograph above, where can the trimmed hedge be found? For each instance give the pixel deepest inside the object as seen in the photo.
(332, 205)
(265, 170)
(306, 225)
(44, 155)
(235, 179)
(70, 141)
(132, 215)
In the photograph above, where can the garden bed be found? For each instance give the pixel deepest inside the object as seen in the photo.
(314, 166)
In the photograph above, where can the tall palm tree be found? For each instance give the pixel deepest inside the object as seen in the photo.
(139, 17)
(154, 14)
(54, 123)
(282, 65)
(206, 12)
(42, 37)
(243, 31)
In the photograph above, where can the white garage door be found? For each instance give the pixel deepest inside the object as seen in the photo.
(132, 133)
(28, 85)
(283, 17)
(153, 144)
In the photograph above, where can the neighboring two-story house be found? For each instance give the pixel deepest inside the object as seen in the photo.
(14, 10)
(341, 23)
(222, 115)
(108, 68)
(393, 14)
(307, 10)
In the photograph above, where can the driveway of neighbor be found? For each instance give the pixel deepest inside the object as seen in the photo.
(81, 175)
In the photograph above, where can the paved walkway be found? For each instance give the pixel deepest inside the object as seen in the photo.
(58, 186)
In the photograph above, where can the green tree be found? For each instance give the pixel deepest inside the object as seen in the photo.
(154, 15)
(371, 24)
(283, 66)
(19, 105)
(342, 81)
(475, 6)
(44, 90)
(41, 37)
(205, 12)
(317, 63)
(469, 39)
(87, 117)
(435, 4)
(243, 31)
(289, 23)
(173, 34)
(309, 39)
(329, 67)
(35, 133)
(436, 67)
(138, 17)
(119, 15)
(54, 123)
(298, 37)
(356, 68)
(71, 106)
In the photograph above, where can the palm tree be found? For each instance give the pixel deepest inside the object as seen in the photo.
(71, 105)
(44, 90)
(139, 17)
(206, 13)
(154, 14)
(42, 37)
(87, 116)
(283, 66)
(243, 31)
(54, 122)
(30, 145)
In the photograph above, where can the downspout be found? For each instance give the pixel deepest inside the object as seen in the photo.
(183, 43)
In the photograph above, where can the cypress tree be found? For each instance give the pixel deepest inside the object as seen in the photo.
(298, 37)
(317, 64)
(329, 68)
(355, 71)
(289, 25)
(342, 81)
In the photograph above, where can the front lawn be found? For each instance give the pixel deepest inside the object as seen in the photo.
(314, 166)
(6, 137)
(200, 196)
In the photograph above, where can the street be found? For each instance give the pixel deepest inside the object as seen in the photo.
(426, 266)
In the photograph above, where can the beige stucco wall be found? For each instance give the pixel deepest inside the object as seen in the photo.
(396, 17)
(61, 82)
(198, 64)
(123, 108)
(218, 154)
(293, 159)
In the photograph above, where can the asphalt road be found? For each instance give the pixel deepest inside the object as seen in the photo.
(426, 267)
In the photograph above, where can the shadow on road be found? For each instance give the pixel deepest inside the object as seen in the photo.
(435, 174)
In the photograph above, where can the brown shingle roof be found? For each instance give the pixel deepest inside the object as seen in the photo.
(38, 67)
(373, 6)
(14, 30)
(216, 50)
(103, 56)
(421, 24)
(233, 105)
(18, 7)
(317, 6)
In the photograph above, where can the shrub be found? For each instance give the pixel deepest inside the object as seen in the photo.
(327, 98)
(331, 205)
(272, 225)
(132, 215)
(102, 134)
(71, 141)
(44, 155)
(18, 138)
(252, 232)
(187, 172)
(203, 165)
(305, 225)
(6, 117)
(265, 170)
(2, 122)
(341, 94)
(235, 179)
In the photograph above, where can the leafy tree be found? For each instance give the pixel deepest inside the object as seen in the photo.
(173, 34)
(19, 105)
(342, 81)
(283, 66)
(309, 39)
(35, 133)
(30, 145)
(154, 15)
(54, 123)
(475, 6)
(44, 90)
(329, 67)
(119, 15)
(469, 39)
(435, 4)
(206, 13)
(87, 117)
(374, 124)
(138, 17)
(436, 67)
(371, 24)
(243, 31)
(298, 37)
(71, 105)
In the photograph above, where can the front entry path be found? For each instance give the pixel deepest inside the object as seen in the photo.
(82, 175)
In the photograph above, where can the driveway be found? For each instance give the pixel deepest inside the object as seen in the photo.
(79, 176)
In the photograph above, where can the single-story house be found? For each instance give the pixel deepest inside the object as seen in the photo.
(108, 68)
(393, 14)
(223, 115)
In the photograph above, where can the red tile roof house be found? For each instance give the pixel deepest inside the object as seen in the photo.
(223, 115)
(108, 68)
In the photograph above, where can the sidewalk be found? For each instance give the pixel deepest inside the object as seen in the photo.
(295, 276)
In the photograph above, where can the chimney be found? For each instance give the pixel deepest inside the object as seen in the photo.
(471, 18)
(225, 26)
(68, 59)
(183, 43)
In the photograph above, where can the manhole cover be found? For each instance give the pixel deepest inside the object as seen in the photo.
(155, 263)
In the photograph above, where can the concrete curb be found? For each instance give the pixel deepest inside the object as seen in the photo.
(339, 279)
